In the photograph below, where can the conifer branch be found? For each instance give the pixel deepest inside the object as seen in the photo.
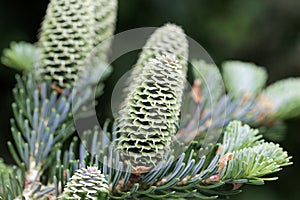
(21, 56)
(243, 78)
(211, 82)
(284, 106)
(135, 158)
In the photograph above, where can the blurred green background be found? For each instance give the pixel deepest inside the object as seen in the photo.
(266, 32)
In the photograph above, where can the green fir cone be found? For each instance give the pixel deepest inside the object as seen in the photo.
(152, 112)
(87, 183)
(66, 39)
(168, 39)
(132, 121)
(105, 20)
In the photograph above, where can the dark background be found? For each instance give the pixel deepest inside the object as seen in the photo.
(266, 32)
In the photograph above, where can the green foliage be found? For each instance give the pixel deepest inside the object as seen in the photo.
(252, 158)
(3, 167)
(243, 78)
(169, 179)
(217, 109)
(252, 163)
(11, 183)
(21, 56)
(212, 118)
(41, 124)
(238, 136)
(211, 80)
(192, 175)
(284, 97)
(4, 171)
(41, 121)
(144, 134)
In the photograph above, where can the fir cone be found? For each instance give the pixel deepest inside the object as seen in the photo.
(105, 20)
(168, 39)
(70, 31)
(66, 39)
(87, 184)
(152, 112)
